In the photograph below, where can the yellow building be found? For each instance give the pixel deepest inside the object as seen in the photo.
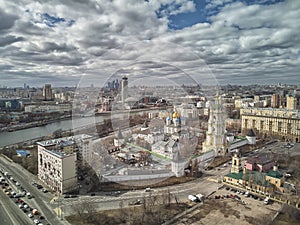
(279, 123)
(291, 102)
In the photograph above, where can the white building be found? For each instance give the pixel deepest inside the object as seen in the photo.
(57, 161)
(215, 135)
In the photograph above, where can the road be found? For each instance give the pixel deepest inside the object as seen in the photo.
(40, 201)
(204, 185)
(10, 214)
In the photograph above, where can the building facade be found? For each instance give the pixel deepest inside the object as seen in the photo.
(47, 92)
(279, 123)
(291, 102)
(215, 135)
(58, 161)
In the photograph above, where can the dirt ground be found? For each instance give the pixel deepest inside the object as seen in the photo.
(230, 211)
(135, 215)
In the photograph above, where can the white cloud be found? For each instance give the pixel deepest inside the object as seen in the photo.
(243, 40)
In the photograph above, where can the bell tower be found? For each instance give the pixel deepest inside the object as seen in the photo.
(236, 162)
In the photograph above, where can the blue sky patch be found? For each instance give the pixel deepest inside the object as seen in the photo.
(203, 13)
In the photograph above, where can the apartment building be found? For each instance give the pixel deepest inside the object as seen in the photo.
(279, 123)
(58, 159)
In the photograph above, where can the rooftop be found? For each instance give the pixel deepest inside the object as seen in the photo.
(65, 141)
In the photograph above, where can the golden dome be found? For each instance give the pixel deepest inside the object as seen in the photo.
(175, 115)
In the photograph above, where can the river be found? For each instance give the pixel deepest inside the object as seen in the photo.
(9, 138)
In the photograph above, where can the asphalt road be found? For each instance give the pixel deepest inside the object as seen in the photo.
(10, 214)
(40, 201)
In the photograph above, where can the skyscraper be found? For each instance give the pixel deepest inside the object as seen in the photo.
(47, 92)
(124, 89)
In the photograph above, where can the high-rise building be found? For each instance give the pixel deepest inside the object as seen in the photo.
(291, 102)
(276, 101)
(124, 89)
(47, 92)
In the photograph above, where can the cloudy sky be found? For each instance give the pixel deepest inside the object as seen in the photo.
(224, 41)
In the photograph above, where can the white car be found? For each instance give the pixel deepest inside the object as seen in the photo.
(30, 215)
(36, 221)
(266, 201)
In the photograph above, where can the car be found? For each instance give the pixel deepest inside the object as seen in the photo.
(267, 200)
(30, 215)
(93, 194)
(36, 221)
(18, 184)
(237, 197)
(35, 212)
(147, 189)
(39, 186)
(25, 206)
(41, 217)
(135, 202)
(67, 196)
(20, 206)
(44, 190)
(25, 210)
(73, 196)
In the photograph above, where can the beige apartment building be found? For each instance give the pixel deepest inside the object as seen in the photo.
(291, 102)
(279, 123)
(58, 160)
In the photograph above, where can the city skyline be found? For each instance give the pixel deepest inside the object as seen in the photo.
(67, 43)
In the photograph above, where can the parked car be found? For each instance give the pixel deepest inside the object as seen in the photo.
(193, 198)
(267, 200)
(147, 189)
(135, 202)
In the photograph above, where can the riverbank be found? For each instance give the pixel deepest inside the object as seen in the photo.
(21, 126)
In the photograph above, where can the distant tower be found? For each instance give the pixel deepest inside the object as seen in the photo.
(47, 92)
(215, 135)
(124, 89)
(236, 163)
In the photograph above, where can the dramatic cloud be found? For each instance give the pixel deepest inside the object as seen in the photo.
(232, 41)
